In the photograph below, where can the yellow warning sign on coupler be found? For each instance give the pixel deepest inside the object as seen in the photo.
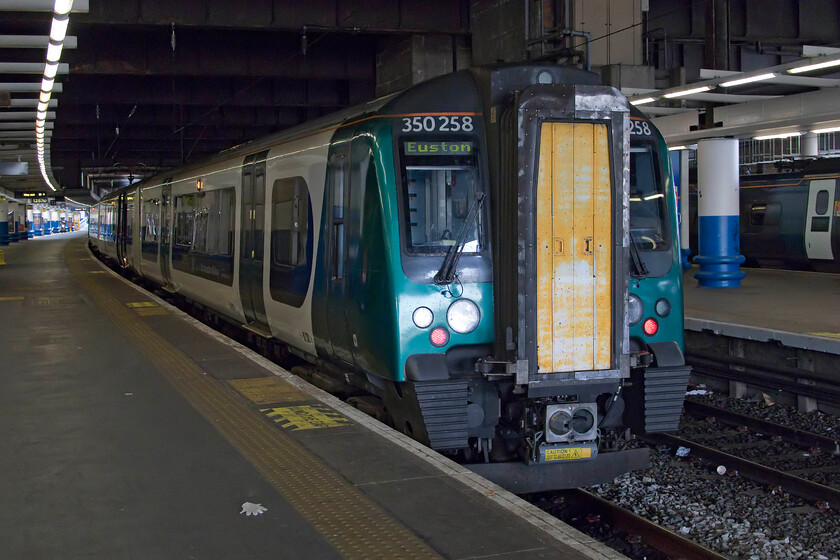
(306, 417)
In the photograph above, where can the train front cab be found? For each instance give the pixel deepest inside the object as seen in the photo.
(543, 368)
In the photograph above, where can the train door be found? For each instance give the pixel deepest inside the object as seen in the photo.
(338, 203)
(818, 221)
(165, 230)
(251, 259)
(122, 229)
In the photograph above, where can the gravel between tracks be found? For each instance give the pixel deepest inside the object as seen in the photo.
(730, 514)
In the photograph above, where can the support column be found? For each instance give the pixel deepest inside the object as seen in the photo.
(45, 220)
(685, 217)
(4, 221)
(54, 223)
(23, 234)
(717, 205)
(809, 145)
(14, 208)
(30, 222)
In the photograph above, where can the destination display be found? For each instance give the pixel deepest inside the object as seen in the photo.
(414, 148)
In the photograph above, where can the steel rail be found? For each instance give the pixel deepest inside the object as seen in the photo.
(664, 540)
(773, 382)
(795, 485)
(791, 435)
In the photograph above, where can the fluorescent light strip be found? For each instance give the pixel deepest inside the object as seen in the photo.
(675, 148)
(643, 101)
(826, 130)
(777, 136)
(687, 92)
(751, 79)
(817, 66)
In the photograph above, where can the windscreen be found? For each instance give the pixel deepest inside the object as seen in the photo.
(648, 215)
(440, 181)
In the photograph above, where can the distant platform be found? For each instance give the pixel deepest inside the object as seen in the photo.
(799, 309)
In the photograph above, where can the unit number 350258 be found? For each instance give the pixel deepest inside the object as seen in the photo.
(444, 123)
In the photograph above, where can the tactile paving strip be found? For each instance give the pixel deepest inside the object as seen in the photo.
(352, 523)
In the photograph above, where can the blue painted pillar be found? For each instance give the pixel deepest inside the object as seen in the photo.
(54, 217)
(13, 220)
(4, 221)
(717, 205)
(30, 224)
(45, 220)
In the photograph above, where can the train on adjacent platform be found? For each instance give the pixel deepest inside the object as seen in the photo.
(789, 219)
(492, 253)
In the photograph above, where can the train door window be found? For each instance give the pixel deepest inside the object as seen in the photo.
(290, 222)
(441, 183)
(129, 222)
(820, 222)
(185, 220)
(339, 170)
(821, 202)
(150, 228)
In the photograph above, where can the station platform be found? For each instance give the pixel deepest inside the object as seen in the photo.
(798, 309)
(130, 430)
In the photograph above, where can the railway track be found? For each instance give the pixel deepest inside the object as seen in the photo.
(636, 527)
(779, 467)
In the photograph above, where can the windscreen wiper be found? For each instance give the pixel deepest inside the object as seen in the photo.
(641, 270)
(446, 274)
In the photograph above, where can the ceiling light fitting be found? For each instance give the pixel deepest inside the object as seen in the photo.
(686, 92)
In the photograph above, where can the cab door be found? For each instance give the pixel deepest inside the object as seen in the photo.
(251, 255)
(819, 218)
(338, 203)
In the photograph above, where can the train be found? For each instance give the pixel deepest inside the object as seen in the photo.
(493, 253)
(788, 217)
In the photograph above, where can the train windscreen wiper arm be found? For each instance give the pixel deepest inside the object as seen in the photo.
(446, 274)
(635, 257)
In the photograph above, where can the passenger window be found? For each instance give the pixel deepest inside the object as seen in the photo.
(821, 206)
(290, 221)
(204, 222)
(184, 220)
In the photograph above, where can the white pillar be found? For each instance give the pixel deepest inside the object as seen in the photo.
(717, 214)
(809, 145)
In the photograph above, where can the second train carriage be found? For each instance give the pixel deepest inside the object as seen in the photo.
(463, 250)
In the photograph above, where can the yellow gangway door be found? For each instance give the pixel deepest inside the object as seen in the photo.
(574, 248)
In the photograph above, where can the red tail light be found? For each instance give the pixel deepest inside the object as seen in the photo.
(651, 326)
(439, 336)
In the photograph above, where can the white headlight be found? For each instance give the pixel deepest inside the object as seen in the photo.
(423, 317)
(463, 316)
(636, 309)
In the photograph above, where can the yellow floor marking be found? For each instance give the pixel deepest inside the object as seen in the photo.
(825, 334)
(11, 298)
(350, 521)
(150, 311)
(96, 272)
(142, 304)
(267, 390)
(306, 417)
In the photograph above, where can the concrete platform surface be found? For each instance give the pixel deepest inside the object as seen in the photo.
(131, 431)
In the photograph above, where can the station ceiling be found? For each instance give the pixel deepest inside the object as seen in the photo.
(151, 84)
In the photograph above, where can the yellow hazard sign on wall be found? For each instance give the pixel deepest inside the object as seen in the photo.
(306, 417)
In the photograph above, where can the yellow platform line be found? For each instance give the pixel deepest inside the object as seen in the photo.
(351, 522)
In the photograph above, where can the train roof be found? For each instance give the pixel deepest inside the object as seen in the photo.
(445, 93)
